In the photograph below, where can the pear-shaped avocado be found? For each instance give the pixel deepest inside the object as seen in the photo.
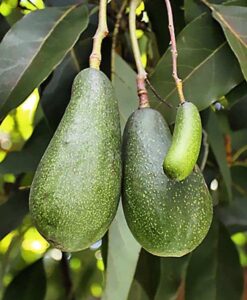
(167, 217)
(186, 142)
(76, 188)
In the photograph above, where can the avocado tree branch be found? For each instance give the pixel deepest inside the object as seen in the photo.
(101, 33)
(178, 81)
(142, 75)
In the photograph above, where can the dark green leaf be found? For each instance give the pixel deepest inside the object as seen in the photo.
(233, 20)
(217, 144)
(125, 87)
(238, 109)
(29, 284)
(123, 253)
(148, 273)
(172, 272)
(214, 270)
(236, 3)
(57, 93)
(157, 14)
(4, 27)
(194, 8)
(205, 63)
(234, 216)
(137, 292)
(44, 38)
(13, 211)
(123, 250)
(28, 158)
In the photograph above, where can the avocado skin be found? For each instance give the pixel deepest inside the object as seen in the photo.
(76, 188)
(167, 217)
(186, 142)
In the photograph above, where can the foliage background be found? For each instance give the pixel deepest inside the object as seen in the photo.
(43, 46)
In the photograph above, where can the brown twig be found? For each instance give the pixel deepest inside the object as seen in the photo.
(178, 81)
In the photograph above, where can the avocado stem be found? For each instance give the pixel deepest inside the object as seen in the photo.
(101, 33)
(141, 73)
(178, 81)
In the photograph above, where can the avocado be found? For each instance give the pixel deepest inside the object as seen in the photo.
(76, 188)
(167, 217)
(186, 142)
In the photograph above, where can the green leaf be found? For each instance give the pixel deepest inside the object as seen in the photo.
(33, 47)
(194, 8)
(233, 20)
(123, 253)
(172, 272)
(29, 284)
(234, 216)
(217, 144)
(157, 14)
(137, 292)
(13, 211)
(238, 109)
(148, 273)
(235, 3)
(205, 63)
(214, 271)
(56, 94)
(125, 88)
(28, 158)
(123, 250)
(4, 27)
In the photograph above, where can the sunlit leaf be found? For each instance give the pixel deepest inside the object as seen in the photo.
(41, 39)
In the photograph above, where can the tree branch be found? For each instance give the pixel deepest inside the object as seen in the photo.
(178, 81)
(101, 33)
(142, 75)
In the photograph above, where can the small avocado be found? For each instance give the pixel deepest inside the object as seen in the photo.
(76, 188)
(186, 142)
(167, 217)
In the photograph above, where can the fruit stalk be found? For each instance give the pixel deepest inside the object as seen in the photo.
(142, 75)
(101, 33)
(174, 51)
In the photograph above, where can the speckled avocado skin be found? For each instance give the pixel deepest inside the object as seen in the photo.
(76, 188)
(186, 142)
(167, 217)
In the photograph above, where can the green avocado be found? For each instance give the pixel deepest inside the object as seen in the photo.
(167, 217)
(76, 188)
(186, 142)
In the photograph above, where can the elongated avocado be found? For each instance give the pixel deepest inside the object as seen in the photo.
(76, 188)
(186, 142)
(167, 217)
